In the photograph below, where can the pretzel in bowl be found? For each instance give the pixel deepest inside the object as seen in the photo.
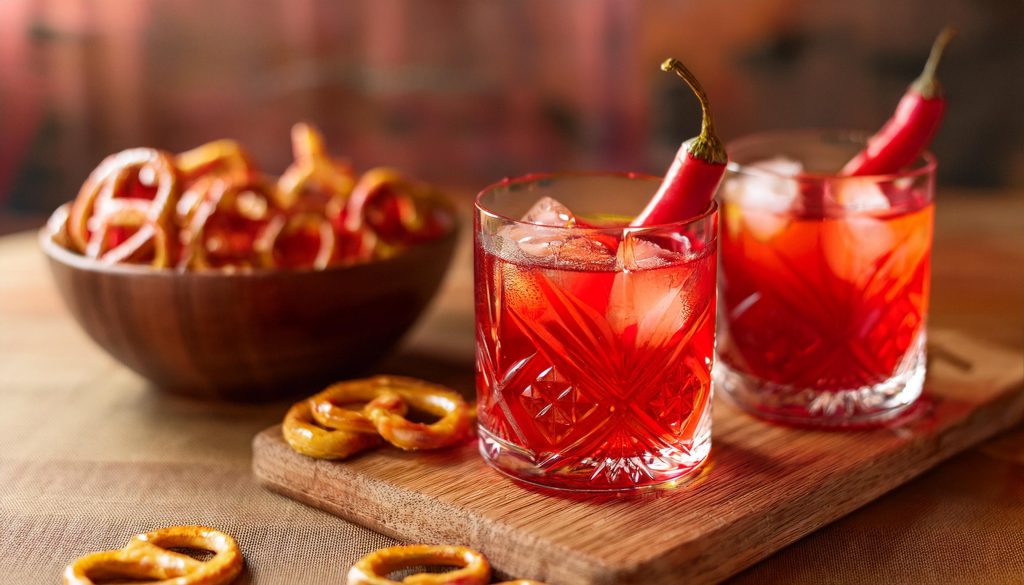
(397, 210)
(317, 183)
(383, 394)
(314, 181)
(212, 208)
(57, 226)
(146, 557)
(471, 567)
(124, 211)
(225, 158)
(298, 240)
(223, 218)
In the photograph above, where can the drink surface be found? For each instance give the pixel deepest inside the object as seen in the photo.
(823, 303)
(596, 376)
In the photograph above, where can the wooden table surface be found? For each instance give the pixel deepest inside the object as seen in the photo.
(89, 454)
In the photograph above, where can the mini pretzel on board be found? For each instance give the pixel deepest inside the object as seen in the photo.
(471, 567)
(387, 398)
(349, 417)
(146, 557)
(305, 436)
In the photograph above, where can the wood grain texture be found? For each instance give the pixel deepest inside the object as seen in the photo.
(766, 486)
(255, 335)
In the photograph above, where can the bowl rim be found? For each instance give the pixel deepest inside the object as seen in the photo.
(67, 257)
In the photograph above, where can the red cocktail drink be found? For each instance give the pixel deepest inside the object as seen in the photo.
(594, 344)
(824, 284)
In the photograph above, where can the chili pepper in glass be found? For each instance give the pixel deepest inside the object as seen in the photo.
(824, 302)
(692, 180)
(913, 125)
(595, 330)
(825, 274)
(594, 345)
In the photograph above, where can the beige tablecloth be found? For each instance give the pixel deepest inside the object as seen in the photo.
(90, 455)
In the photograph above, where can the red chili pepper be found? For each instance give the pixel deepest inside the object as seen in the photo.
(695, 174)
(916, 120)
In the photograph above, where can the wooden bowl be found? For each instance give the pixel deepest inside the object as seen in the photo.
(249, 336)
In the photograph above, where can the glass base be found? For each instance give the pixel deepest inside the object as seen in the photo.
(866, 406)
(667, 468)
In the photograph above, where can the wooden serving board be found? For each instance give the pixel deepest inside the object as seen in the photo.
(765, 486)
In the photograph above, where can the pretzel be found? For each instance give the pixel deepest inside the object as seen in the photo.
(146, 557)
(280, 243)
(147, 206)
(313, 169)
(57, 226)
(374, 567)
(332, 408)
(224, 157)
(384, 394)
(223, 217)
(412, 205)
(102, 212)
(453, 426)
(304, 435)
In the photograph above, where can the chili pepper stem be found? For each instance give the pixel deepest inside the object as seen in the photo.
(927, 84)
(706, 146)
(695, 173)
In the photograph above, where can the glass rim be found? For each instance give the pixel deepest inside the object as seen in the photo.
(924, 165)
(709, 211)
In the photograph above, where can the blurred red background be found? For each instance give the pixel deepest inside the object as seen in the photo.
(463, 92)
